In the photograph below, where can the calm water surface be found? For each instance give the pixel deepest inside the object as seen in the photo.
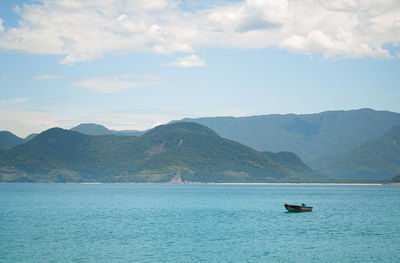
(198, 223)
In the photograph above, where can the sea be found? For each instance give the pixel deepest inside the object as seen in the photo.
(198, 223)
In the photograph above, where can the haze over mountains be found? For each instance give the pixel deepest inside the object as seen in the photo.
(347, 145)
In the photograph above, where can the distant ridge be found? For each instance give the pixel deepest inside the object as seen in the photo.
(377, 159)
(91, 129)
(96, 129)
(317, 138)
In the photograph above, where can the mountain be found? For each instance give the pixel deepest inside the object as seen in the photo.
(317, 138)
(377, 159)
(177, 152)
(9, 140)
(30, 137)
(96, 129)
(91, 129)
(293, 162)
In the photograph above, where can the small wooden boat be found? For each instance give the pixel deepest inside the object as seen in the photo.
(298, 208)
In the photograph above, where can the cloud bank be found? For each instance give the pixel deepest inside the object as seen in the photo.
(84, 30)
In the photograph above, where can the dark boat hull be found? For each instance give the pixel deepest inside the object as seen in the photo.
(298, 208)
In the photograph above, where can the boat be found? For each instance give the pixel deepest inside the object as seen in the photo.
(298, 208)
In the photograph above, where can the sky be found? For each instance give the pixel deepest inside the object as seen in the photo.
(137, 64)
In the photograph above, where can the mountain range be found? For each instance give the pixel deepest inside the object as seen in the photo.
(316, 138)
(180, 152)
(346, 145)
(340, 144)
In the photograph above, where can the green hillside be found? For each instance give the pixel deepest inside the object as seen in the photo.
(178, 152)
(378, 159)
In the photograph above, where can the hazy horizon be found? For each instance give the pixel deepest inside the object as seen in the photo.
(111, 127)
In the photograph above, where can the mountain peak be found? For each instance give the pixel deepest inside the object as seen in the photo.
(53, 135)
(9, 140)
(182, 127)
(91, 129)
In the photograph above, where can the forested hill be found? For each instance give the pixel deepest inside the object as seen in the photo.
(181, 152)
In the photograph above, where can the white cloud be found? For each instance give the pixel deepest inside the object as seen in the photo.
(189, 61)
(13, 101)
(47, 76)
(318, 42)
(1, 25)
(23, 123)
(340, 5)
(116, 83)
(343, 28)
(85, 30)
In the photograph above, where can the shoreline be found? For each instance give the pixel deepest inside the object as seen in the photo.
(198, 183)
(301, 183)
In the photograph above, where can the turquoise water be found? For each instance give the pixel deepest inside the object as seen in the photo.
(198, 223)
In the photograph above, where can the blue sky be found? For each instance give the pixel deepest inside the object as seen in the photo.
(137, 64)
